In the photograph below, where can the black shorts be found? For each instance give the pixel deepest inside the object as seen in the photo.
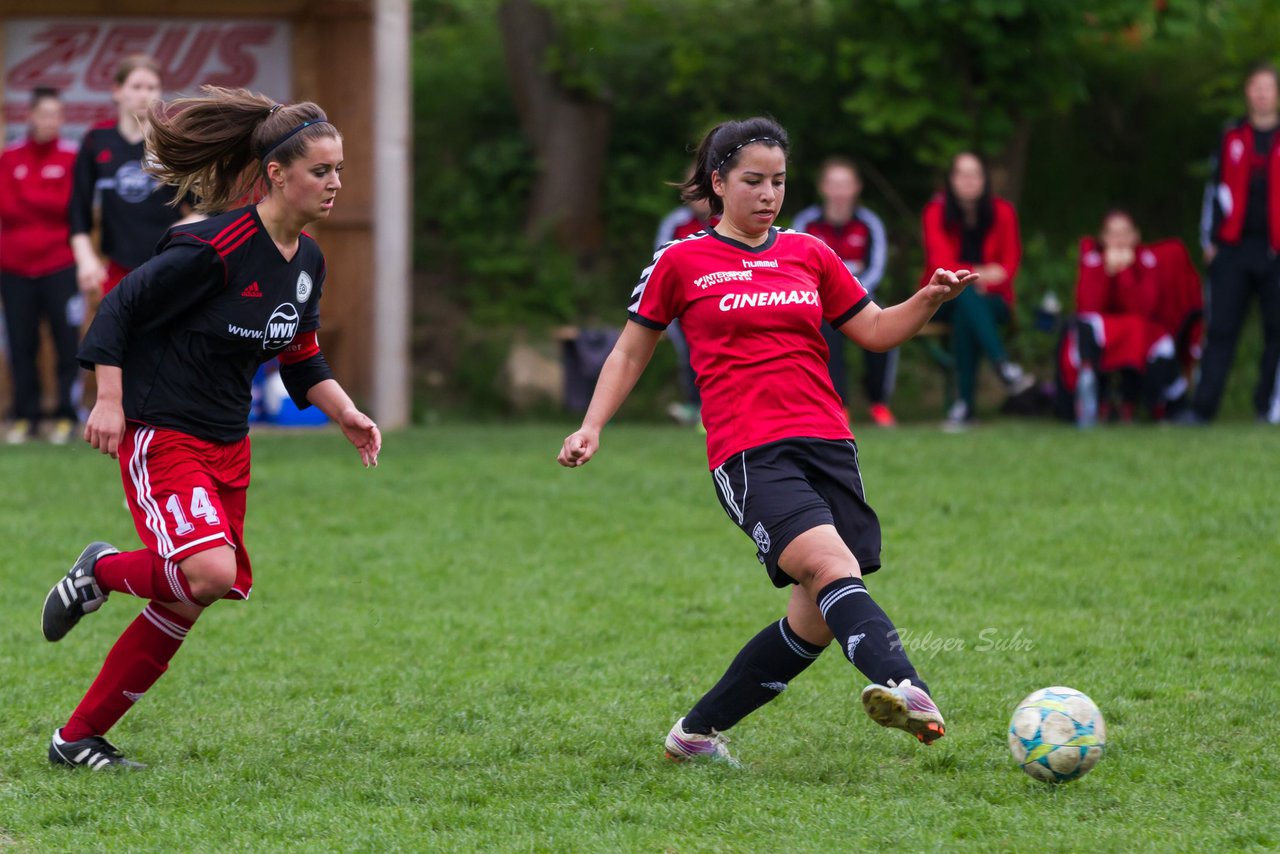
(776, 492)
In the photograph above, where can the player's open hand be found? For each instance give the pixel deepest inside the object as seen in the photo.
(105, 428)
(578, 449)
(947, 285)
(363, 433)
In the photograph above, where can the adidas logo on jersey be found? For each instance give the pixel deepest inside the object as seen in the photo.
(252, 291)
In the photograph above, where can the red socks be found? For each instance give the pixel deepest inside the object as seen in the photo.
(144, 574)
(142, 653)
(137, 660)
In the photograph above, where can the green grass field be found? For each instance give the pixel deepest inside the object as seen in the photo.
(473, 649)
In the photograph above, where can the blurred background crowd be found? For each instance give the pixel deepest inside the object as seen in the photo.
(1111, 168)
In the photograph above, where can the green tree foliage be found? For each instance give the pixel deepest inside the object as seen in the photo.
(1081, 105)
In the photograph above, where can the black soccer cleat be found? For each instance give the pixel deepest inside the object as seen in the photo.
(76, 594)
(94, 753)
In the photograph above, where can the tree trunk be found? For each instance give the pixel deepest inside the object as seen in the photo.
(569, 132)
(1010, 166)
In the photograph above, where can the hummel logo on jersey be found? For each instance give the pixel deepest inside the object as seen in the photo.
(853, 644)
(252, 291)
(749, 264)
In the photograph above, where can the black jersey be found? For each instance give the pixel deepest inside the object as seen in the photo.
(136, 209)
(191, 326)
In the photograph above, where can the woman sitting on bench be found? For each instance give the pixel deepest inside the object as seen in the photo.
(965, 226)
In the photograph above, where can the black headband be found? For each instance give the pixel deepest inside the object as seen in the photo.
(273, 146)
(734, 150)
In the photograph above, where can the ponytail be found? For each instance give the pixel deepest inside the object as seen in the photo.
(720, 150)
(217, 146)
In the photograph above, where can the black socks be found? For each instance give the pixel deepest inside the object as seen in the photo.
(865, 633)
(759, 673)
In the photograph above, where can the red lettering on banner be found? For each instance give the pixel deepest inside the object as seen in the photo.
(49, 67)
(120, 41)
(242, 67)
(181, 73)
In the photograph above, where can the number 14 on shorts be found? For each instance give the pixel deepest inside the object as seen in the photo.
(200, 507)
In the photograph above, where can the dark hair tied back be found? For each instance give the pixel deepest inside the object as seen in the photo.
(720, 151)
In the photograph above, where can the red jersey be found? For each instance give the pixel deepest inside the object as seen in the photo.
(679, 224)
(35, 189)
(1133, 290)
(753, 318)
(851, 241)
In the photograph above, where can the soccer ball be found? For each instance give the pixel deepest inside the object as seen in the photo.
(1057, 734)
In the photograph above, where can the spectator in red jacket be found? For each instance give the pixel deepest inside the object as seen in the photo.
(1240, 234)
(1129, 319)
(966, 227)
(37, 271)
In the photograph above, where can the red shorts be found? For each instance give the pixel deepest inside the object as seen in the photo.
(187, 495)
(115, 273)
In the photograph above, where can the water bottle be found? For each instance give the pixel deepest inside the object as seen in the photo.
(1087, 398)
(1047, 312)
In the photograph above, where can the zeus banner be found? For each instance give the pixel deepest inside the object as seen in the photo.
(78, 57)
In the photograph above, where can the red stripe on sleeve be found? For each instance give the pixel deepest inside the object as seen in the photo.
(302, 348)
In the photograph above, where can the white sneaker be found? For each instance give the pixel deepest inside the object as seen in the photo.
(959, 418)
(60, 433)
(1016, 380)
(683, 746)
(904, 706)
(19, 432)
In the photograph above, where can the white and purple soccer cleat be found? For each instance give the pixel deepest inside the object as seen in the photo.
(683, 746)
(904, 706)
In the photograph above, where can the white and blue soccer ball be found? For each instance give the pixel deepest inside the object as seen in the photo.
(1057, 734)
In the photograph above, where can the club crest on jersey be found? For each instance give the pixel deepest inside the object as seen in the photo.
(304, 286)
(281, 327)
(133, 184)
(761, 536)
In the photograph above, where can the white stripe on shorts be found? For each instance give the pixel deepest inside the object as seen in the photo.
(726, 490)
(142, 489)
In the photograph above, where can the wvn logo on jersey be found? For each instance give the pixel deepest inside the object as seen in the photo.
(281, 327)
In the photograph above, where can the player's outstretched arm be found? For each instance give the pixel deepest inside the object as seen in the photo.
(624, 366)
(882, 329)
(356, 426)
